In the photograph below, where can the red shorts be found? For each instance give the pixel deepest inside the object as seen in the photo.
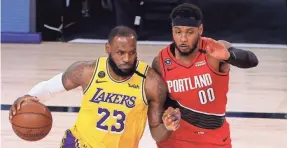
(188, 136)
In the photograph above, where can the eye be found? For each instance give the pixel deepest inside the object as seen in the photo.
(177, 32)
(120, 53)
(132, 52)
(190, 32)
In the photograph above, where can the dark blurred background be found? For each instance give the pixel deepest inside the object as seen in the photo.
(238, 21)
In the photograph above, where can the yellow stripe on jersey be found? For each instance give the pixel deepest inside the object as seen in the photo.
(143, 86)
(93, 76)
(113, 113)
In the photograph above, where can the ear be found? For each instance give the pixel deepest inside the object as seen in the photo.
(108, 48)
(200, 29)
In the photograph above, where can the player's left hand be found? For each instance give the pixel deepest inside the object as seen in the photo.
(171, 118)
(217, 49)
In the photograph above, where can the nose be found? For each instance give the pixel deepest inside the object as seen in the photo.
(126, 58)
(183, 37)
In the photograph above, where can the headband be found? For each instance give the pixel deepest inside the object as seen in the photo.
(184, 21)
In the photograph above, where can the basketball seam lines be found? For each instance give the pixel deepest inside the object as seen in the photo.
(33, 113)
(33, 127)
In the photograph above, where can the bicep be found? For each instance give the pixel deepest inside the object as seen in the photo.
(156, 91)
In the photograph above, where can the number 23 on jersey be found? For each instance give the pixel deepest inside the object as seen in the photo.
(106, 115)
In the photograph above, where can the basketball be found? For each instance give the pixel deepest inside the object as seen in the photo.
(32, 122)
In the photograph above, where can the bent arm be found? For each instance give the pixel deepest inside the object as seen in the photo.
(239, 57)
(72, 78)
(156, 92)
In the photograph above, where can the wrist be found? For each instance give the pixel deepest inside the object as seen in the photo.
(167, 128)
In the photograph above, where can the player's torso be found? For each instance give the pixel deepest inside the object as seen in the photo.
(112, 114)
(196, 86)
(198, 90)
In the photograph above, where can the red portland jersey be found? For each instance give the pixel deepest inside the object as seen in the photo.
(200, 93)
(196, 86)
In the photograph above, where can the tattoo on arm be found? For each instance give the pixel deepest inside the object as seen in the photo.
(74, 76)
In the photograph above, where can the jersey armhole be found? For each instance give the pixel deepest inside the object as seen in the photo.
(93, 76)
(143, 87)
(213, 70)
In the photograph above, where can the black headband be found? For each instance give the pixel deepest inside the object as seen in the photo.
(192, 22)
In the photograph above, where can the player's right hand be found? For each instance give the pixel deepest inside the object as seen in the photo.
(171, 118)
(16, 106)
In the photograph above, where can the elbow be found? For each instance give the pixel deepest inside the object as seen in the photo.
(254, 63)
(253, 60)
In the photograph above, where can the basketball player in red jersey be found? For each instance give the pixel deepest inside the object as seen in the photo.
(196, 70)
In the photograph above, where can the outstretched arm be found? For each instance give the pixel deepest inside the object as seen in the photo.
(156, 92)
(239, 57)
(78, 74)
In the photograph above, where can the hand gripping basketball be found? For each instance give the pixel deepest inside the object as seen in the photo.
(17, 104)
(30, 119)
(171, 118)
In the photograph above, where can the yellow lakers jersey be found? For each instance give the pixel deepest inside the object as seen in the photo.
(113, 113)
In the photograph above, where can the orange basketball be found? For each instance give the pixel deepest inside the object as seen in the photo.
(33, 121)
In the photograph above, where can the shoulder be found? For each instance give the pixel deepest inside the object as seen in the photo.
(80, 71)
(152, 74)
(83, 66)
(156, 65)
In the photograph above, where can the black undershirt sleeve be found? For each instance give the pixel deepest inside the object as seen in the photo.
(242, 58)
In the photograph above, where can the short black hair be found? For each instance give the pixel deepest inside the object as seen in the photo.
(122, 31)
(187, 10)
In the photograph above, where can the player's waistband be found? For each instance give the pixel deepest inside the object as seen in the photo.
(205, 121)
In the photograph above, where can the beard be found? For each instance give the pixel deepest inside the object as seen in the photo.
(120, 72)
(186, 53)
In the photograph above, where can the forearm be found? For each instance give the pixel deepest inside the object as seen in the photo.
(160, 133)
(47, 88)
(242, 58)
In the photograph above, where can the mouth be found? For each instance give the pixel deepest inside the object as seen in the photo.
(183, 46)
(126, 66)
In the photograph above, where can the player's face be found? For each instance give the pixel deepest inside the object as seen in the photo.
(122, 55)
(186, 38)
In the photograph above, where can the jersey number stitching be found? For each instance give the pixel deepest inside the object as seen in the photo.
(105, 113)
(205, 96)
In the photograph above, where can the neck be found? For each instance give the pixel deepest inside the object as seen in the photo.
(115, 76)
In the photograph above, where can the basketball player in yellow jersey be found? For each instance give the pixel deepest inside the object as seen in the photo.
(119, 94)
